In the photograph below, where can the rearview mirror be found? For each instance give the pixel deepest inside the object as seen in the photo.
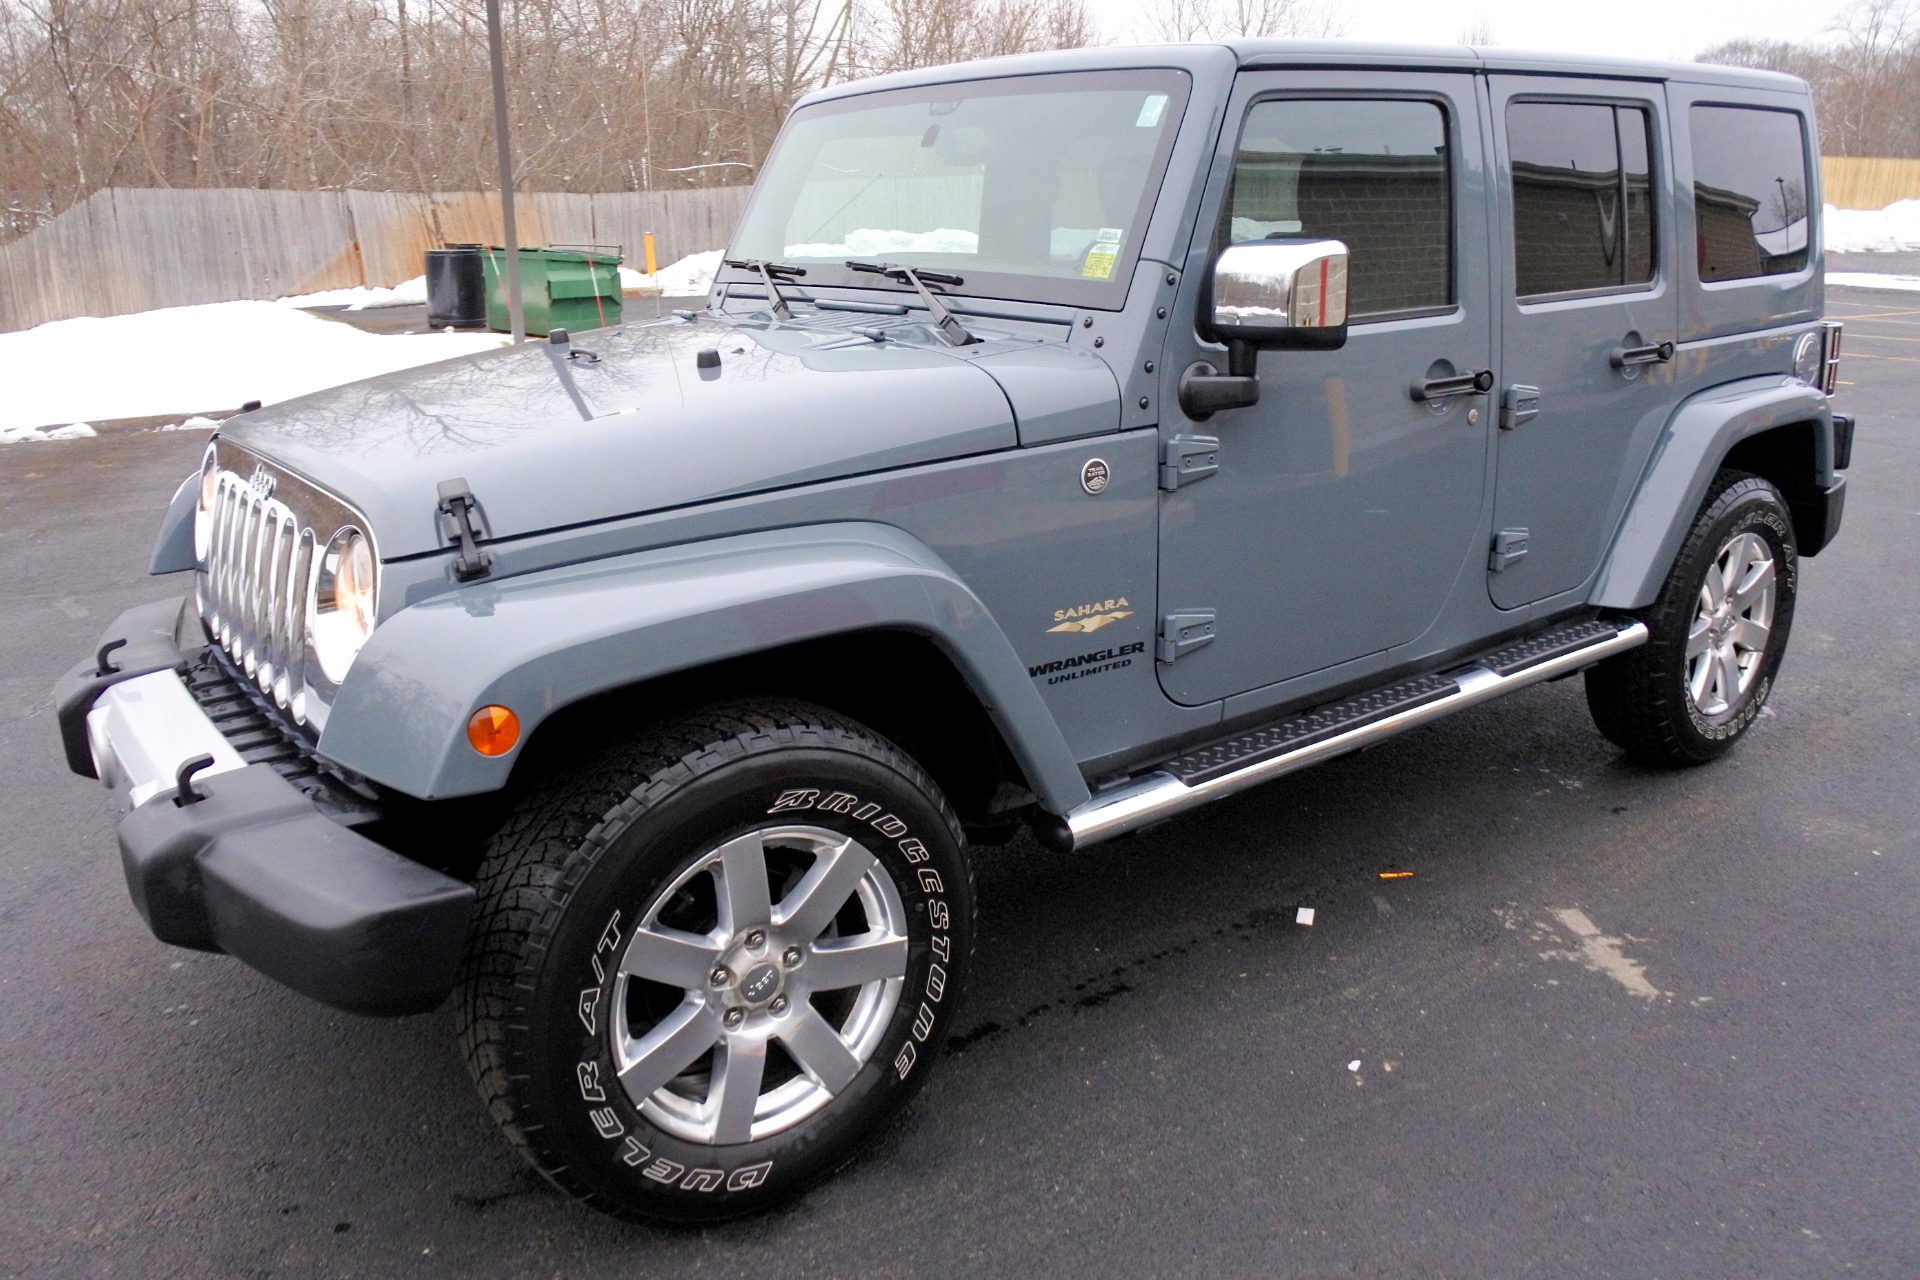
(1281, 293)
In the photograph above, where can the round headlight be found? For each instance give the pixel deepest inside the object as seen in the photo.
(203, 511)
(340, 615)
(1806, 359)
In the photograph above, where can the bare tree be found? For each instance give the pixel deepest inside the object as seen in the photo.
(1185, 20)
(1866, 80)
(605, 94)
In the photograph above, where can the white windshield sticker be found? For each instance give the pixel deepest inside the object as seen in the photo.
(1151, 110)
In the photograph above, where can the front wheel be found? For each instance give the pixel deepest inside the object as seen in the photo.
(712, 962)
(1717, 633)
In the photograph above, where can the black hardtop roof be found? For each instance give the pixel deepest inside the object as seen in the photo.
(1357, 54)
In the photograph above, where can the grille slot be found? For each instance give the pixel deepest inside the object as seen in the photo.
(259, 573)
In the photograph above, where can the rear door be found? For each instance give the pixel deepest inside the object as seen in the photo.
(1588, 316)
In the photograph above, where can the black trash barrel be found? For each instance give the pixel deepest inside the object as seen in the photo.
(456, 288)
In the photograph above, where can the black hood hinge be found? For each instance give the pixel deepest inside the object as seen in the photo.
(462, 524)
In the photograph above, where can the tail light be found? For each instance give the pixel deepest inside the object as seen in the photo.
(1830, 355)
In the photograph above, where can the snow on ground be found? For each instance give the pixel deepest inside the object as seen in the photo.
(410, 293)
(1873, 280)
(189, 359)
(1894, 229)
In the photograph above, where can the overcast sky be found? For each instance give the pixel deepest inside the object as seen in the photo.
(1675, 30)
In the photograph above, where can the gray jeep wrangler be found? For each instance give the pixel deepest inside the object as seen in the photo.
(1069, 441)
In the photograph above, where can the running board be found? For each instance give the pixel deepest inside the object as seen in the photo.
(1259, 755)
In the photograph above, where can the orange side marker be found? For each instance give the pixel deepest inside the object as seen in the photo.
(1384, 875)
(493, 730)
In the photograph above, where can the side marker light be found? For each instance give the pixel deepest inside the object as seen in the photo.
(493, 730)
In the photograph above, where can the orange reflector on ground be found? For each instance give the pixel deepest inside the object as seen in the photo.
(493, 731)
(1384, 875)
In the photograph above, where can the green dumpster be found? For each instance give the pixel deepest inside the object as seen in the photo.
(571, 287)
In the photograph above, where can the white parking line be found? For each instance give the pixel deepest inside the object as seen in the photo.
(1603, 954)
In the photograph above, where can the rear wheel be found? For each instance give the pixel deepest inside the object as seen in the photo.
(710, 963)
(1717, 633)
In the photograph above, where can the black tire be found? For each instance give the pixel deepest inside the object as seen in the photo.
(586, 863)
(1642, 700)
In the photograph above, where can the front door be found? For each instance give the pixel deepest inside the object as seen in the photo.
(1589, 318)
(1342, 510)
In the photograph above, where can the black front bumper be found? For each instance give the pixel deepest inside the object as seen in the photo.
(256, 868)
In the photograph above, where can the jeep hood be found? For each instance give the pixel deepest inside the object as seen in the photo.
(546, 440)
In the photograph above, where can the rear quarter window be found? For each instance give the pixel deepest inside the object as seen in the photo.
(1750, 192)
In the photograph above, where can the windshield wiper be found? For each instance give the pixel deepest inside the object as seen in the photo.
(943, 319)
(768, 270)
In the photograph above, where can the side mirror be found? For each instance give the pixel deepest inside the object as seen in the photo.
(1267, 293)
(1282, 293)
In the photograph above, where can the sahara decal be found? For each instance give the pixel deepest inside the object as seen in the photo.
(1084, 618)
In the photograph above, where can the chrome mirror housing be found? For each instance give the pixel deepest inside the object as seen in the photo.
(1281, 293)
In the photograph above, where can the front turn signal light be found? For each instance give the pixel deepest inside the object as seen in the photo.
(493, 730)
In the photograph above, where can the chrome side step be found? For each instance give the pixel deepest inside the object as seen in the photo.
(1260, 755)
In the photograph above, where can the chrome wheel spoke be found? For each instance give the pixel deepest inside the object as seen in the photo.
(1700, 636)
(1729, 674)
(1715, 587)
(736, 1088)
(818, 1049)
(1748, 634)
(814, 902)
(667, 1050)
(667, 955)
(744, 898)
(1700, 676)
(851, 962)
(1755, 584)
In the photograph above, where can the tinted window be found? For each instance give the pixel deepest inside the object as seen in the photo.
(1373, 174)
(1582, 196)
(1749, 192)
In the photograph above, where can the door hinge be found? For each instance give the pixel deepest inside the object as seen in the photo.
(1185, 459)
(1184, 631)
(1509, 545)
(1520, 403)
(462, 524)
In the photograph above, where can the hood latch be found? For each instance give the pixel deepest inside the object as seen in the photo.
(462, 524)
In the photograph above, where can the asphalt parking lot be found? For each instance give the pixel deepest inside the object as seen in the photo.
(1617, 1023)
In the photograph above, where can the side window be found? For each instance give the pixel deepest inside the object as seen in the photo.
(1373, 173)
(1749, 192)
(1582, 196)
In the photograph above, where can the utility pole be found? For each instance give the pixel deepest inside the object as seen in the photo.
(516, 316)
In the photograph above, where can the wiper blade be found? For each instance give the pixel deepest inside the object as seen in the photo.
(767, 271)
(943, 319)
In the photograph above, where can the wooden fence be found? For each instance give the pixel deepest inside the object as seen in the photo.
(127, 250)
(1868, 182)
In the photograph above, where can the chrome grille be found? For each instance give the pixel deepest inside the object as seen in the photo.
(259, 571)
(267, 525)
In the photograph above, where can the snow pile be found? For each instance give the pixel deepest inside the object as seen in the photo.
(1894, 229)
(690, 277)
(870, 242)
(410, 293)
(1873, 280)
(20, 435)
(189, 359)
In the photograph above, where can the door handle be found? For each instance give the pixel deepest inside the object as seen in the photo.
(1459, 384)
(1658, 353)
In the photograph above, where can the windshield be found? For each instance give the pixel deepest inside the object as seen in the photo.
(1035, 187)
